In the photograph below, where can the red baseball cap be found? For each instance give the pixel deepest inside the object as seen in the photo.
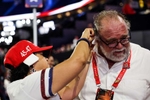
(23, 52)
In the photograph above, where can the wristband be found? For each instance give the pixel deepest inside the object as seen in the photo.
(83, 39)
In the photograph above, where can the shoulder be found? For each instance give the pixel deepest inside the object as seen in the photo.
(14, 87)
(139, 50)
(136, 47)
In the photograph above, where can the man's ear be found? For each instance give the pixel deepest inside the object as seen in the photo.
(95, 30)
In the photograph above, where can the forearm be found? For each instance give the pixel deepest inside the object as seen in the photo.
(72, 90)
(71, 67)
(81, 52)
(76, 85)
(64, 72)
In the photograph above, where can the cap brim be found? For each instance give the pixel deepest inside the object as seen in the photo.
(43, 48)
(30, 60)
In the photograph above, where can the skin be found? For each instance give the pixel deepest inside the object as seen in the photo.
(51, 61)
(111, 30)
(41, 63)
(117, 31)
(70, 91)
(73, 65)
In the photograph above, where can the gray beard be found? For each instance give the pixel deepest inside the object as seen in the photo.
(117, 58)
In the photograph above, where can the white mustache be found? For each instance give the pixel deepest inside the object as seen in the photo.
(118, 50)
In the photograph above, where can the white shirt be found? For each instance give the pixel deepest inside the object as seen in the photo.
(135, 84)
(29, 88)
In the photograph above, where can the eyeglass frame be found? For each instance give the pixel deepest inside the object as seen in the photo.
(117, 42)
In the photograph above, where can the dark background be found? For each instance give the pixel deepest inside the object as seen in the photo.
(12, 7)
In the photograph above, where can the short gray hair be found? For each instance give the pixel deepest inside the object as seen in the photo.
(109, 14)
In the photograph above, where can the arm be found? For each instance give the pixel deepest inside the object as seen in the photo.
(64, 72)
(73, 88)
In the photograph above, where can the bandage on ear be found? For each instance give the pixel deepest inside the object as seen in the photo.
(95, 31)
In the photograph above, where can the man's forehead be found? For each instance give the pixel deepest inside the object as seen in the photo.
(113, 25)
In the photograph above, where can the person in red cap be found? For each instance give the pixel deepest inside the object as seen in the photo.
(32, 79)
(127, 9)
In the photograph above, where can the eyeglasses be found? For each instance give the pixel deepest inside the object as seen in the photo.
(113, 44)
